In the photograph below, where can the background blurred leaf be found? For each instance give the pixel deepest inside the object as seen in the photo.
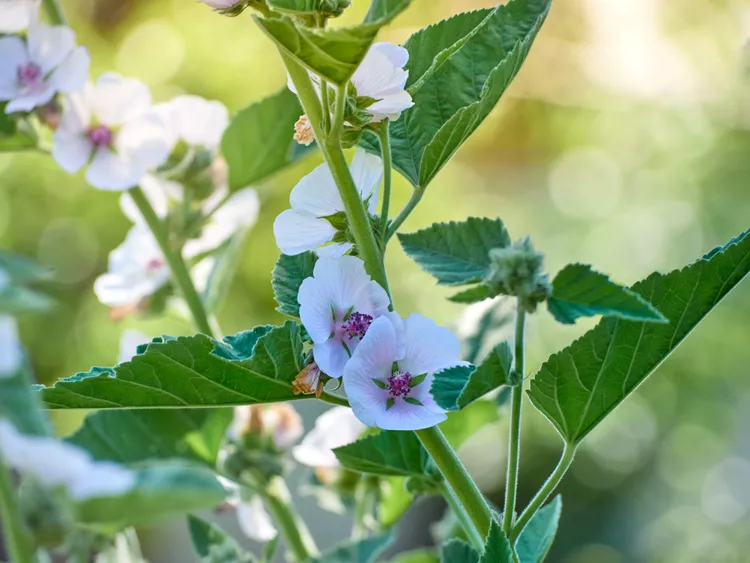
(579, 386)
(534, 542)
(364, 551)
(20, 404)
(213, 545)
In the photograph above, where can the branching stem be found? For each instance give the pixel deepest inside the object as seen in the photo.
(385, 149)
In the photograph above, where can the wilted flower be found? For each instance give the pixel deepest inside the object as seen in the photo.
(32, 71)
(308, 381)
(381, 76)
(389, 376)
(337, 306)
(54, 463)
(316, 201)
(11, 354)
(334, 428)
(278, 421)
(112, 122)
(16, 15)
(303, 131)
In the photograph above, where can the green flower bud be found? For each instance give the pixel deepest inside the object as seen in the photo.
(518, 270)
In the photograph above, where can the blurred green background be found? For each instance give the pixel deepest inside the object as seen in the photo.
(623, 143)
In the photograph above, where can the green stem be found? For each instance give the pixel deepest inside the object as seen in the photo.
(298, 539)
(54, 12)
(16, 537)
(458, 478)
(177, 266)
(463, 517)
(337, 126)
(334, 400)
(549, 486)
(326, 105)
(385, 149)
(514, 434)
(415, 198)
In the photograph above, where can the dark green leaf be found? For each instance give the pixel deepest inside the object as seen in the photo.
(457, 387)
(241, 346)
(579, 291)
(363, 551)
(456, 253)
(474, 294)
(459, 68)
(458, 551)
(185, 373)
(497, 547)
(333, 54)
(132, 436)
(386, 453)
(536, 539)
(258, 142)
(213, 545)
(288, 275)
(579, 386)
(161, 490)
(20, 404)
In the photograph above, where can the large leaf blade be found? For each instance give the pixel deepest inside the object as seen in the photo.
(386, 453)
(579, 386)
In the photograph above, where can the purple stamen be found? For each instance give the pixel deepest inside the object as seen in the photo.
(154, 264)
(399, 384)
(100, 135)
(29, 74)
(356, 325)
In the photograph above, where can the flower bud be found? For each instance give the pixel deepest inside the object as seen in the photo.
(230, 7)
(518, 270)
(277, 426)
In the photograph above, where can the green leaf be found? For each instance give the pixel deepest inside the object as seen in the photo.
(161, 490)
(363, 551)
(288, 275)
(14, 134)
(20, 404)
(458, 551)
(298, 6)
(132, 436)
(333, 54)
(386, 453)
(579, 291)
(474, 294)
(258, 142)
(16, 274)
(213, 545)
(459, 68)
(536, 538)
(241, 346)
(456, 253)
(497, 547)
(21, 269)
(579, 386)
(457, 387)
(184, 372)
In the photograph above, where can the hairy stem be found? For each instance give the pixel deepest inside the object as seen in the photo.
(415, 198)
(457, 477)
(177, 266)
(541, 497)
(295, 533)
(514, 434)
(54, 12)
(385, 149)
(463, 517)
(16, 537)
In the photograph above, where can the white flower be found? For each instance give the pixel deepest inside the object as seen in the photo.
(334, 428)
(381, 76)
(158, 191)
(111, 124)
(137, 269)
(195, 121)
(254, 521)
(304, 226)
(279, 421)
(54, 463)
(32, 71)
(221, 4)
(389, 387)
(11, 353)
(337, 305)
(129, 342)
(16, 15)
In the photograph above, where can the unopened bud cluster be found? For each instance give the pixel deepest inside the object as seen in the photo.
(517, 270)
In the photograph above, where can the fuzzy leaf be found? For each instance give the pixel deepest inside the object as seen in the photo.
(458, 551)
(536, 539)
(496, 547)
(161, 490)
(288, 275)
(386, 453)
(579, 386)
(185, 372)
(333, 54)
(474, 294)
(457, 387)
(578, 291)
(133, 436)
(459, 68)
(363, 551)
(456, 253)
(213, 545)
(258, 142)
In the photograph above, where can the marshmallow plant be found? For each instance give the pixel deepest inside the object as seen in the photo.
(186, 423)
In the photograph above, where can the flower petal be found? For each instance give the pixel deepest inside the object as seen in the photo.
(17, 15)
(71, 150)
(396, 54)
(11, 353)
(404, 416)
(155, 189)
(367, 171)
(331, 356)
(49, 45)
(316, 194)
(129, 342)
(429, 347)
(27, 102)
(197, 121)
(296, 232)
(12, 55)
(334, 428)
(315, 310)
(144, 140)
(116, 100)
(254, 521)
(391, 105)
(334, 250)
(73, 72)
(110, 171)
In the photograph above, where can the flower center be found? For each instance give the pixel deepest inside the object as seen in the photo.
(399, 384)
(356, 325)
(29, 74)
(154, 264)
(100, 135)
